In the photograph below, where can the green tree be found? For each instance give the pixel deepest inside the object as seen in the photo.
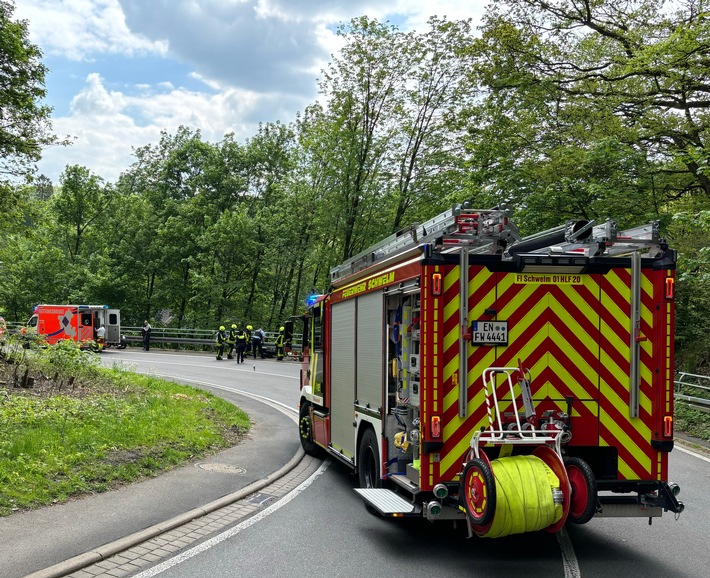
(25, 127)
(365, 85)
(81, 202)
(634, 71)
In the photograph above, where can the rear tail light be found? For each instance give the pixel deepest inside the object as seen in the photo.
(670, 287)
(668, 426)
(435, 426)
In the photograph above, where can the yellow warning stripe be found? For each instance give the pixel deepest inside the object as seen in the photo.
(625, 291)
(571, 382)
(625, 471)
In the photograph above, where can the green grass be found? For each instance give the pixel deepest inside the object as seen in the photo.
(58, 441)
(692, 421)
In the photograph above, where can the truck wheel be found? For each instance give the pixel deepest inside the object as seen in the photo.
(479, 493)
(305, 431)
(583, 502)
(368, 461)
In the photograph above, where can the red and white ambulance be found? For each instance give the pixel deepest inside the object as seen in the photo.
(78, 323)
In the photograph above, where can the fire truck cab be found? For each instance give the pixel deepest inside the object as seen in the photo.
(462, 371)
(78, 323)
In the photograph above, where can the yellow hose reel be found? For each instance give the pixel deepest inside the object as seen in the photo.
(517, 494)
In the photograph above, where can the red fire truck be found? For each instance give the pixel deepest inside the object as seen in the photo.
(78, 323)
(465, 372)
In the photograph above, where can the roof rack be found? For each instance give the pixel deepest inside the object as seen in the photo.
(592, 240)
(459, 225)
(491, 231)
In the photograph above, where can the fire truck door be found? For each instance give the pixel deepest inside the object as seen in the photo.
(342, 381)
(370, 351)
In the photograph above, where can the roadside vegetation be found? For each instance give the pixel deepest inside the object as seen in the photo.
(70, 427)
(692, 422)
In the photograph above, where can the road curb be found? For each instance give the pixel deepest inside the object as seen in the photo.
(112, 548)
(692, 443)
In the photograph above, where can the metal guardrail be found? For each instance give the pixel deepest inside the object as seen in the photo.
(199, 337)
(696, 384)
(684, 384)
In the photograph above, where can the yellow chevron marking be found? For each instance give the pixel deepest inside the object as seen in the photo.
(622, 405)
(621, 376)
(613, 340)
(451, 278)
(574, 386)
(582, 304)
(482, 301)
(620, 286)
(451, 367)
(478, 400)
(624, 440)
(451, 309)
(478, 280)
(625, 472)
(456, 455)
(589, 341)
(451, 339)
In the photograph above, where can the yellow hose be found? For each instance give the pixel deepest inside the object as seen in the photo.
(524, 496)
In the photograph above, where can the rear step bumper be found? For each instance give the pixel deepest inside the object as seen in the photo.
(388, 503)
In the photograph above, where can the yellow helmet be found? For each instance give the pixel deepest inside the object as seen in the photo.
(249, 327)
(234, 325)
(221, 327)
(282, 328)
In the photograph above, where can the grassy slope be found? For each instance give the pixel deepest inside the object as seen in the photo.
(62, 437)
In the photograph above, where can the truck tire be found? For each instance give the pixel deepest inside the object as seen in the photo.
(583, 502)
(478, 493)
(368, 460)
(305, 432)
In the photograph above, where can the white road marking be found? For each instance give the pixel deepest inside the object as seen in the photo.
(162, 567)
(691, 453)
(226, 366)
(282, 407)
(569, 558)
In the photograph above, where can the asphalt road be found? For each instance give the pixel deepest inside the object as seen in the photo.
(322, 529)
(325, 531)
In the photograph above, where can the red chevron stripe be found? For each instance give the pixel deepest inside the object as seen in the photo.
(452, 293)
(490, 283)
(618, 417)
(589, 383)
(624, 454)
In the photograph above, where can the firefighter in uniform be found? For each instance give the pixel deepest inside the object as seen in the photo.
(220, 340)
(231, 341)
(241, 344)
(280, 344)
(249, 331)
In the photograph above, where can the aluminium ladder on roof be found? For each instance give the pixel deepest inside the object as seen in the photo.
(481, 227)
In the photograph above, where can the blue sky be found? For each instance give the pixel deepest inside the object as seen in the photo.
(122, 71)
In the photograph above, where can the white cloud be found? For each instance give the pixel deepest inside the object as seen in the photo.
(257, 61)
(79, 29)
(108, 125)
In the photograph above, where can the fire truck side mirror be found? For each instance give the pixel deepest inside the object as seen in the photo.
(288, 331)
